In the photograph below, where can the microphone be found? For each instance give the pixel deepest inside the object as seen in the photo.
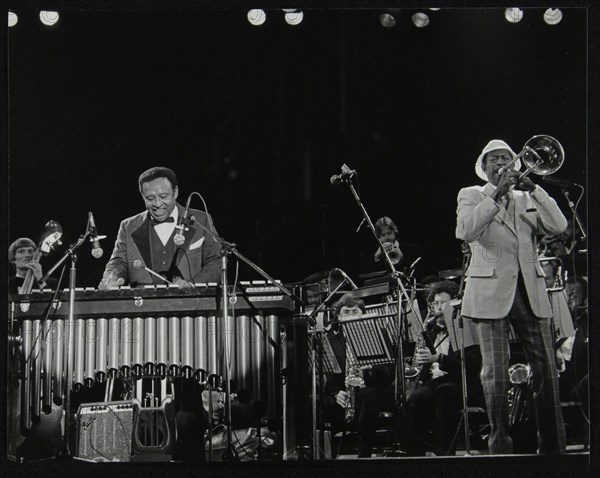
(97, 251)
(346, 173)
(346, 277)
(179, 238)
(411, 268)
(140, 265)
(558, 181)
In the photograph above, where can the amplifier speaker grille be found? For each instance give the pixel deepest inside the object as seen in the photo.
(104, 431)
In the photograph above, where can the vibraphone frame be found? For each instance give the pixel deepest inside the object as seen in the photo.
(156, 330)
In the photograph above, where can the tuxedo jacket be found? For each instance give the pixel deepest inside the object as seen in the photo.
(197, 259)
(503, 242)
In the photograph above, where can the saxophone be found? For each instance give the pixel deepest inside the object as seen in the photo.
(411, 370)
(353, 381)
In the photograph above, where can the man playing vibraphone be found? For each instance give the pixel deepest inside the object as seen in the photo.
(147, 240)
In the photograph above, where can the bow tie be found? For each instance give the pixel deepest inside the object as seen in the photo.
(169, 219)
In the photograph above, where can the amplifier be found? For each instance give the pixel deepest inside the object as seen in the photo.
(104, 431)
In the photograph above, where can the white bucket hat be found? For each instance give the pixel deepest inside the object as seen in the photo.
(492, 146)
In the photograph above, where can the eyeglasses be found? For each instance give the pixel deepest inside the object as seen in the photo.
(438, 303)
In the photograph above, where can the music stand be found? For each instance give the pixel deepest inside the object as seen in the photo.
(372, 339)
(330, 363)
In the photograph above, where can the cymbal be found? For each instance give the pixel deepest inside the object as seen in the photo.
(316, 277)
(451, 273)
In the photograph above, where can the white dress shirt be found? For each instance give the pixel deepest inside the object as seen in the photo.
(165, 229)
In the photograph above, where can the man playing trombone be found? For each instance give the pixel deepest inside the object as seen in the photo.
(505, 285)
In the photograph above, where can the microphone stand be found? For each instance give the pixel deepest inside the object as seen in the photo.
(457, 316)
(70, 253)
(399, 389)
(577, 220)
(313, 353)
(576, 217)
(228, 248)
(229, 452)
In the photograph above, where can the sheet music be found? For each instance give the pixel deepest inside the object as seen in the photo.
(414, 321)
(372, 339)
(563, 322)
(330, 363)
(455, 334)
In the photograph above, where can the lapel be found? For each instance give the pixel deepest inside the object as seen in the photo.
(141, 237)
(507, 219)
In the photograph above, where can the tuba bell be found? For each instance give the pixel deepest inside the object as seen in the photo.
(541, 154)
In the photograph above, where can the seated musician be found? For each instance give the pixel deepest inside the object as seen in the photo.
(435, 405)
(147, 239)
(562, 321)
(375, 396)
(575, 350)
(21, 257)
(422, 300)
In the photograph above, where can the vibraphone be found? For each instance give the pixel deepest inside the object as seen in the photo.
(155, 330)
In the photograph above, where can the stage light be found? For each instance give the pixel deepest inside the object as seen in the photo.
(513, 15)
(552, 16)
(48, 18)
(387, 20)
(293, 18)
(434, 9)
(257, 17)
(420, 19)
(13, 19)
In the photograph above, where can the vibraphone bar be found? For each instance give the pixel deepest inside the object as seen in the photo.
(155, 330)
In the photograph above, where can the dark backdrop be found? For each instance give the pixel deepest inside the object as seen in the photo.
(257, 119)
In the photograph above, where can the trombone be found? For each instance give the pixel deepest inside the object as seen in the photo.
(542, 154)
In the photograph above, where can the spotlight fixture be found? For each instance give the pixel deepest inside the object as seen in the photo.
(420, 19)
(13, 19)
(293, 18)
(387, 20)
(257, 17)
(389, 17)
(513, 15)
(553, 16)
(48, 18)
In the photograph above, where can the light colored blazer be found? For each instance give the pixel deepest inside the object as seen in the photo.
(501, 245)
(197, 258)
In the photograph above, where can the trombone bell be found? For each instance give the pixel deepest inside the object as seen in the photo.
(543, 155)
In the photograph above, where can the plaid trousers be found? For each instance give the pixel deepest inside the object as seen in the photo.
(538, 345)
